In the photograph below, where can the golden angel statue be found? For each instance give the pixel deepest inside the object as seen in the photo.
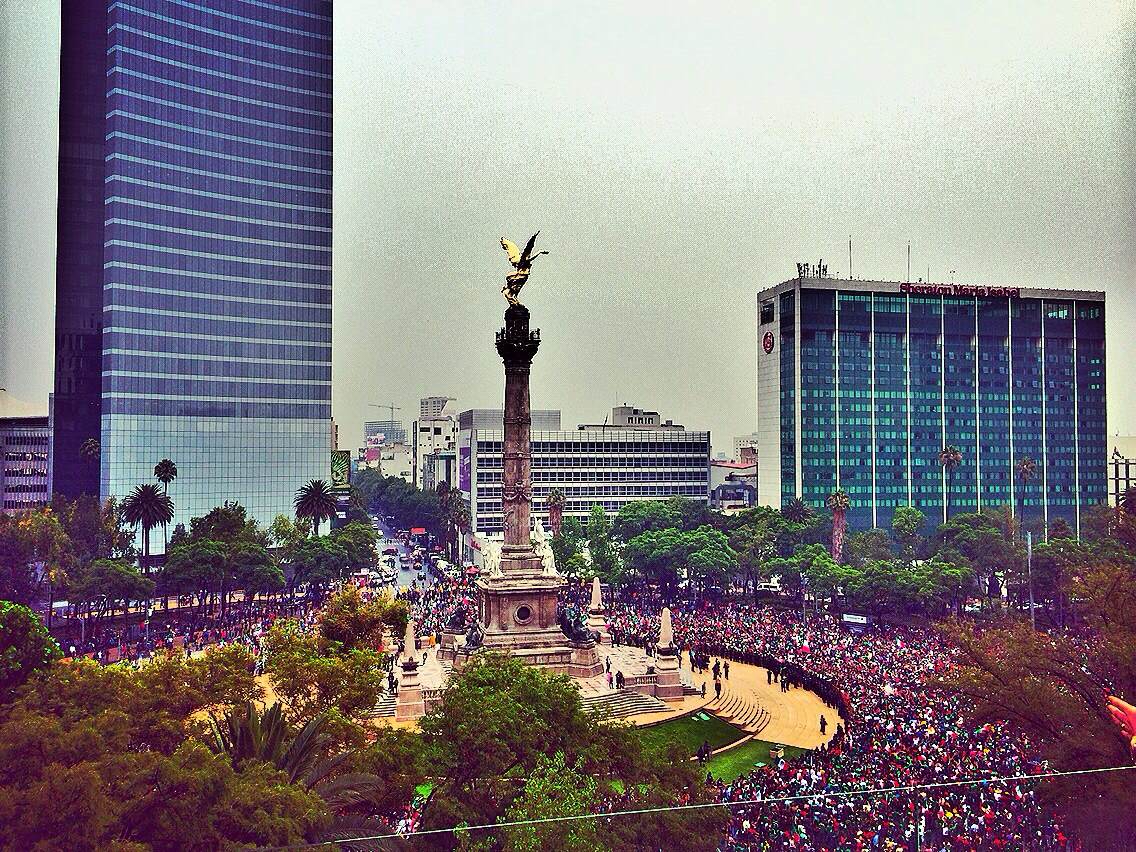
(522, 262)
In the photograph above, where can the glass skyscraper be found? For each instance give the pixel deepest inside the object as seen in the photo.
(207, 132)
(862, 383)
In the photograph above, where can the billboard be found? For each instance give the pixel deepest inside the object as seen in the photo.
(464, 469)
(340, 468)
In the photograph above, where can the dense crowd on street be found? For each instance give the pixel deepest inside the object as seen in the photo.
(189, 630)
(898, 732)
(895, 731)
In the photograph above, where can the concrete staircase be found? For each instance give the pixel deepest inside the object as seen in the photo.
(385, 707)
(741, 708)
(619, 703)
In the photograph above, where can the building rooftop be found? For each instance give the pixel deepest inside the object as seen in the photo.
(10, 406)
(920, 287)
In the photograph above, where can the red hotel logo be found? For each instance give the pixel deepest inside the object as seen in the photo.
(959, 290)
(767, 342)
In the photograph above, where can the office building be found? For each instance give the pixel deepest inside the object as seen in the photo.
(435, 406)
(384, 432)
(25, 446)
(861, 384)
(434, 430)
(493, 419)
(1121, 468)
(733, 484)
(743, 442)
(592, 465)
(194, 233)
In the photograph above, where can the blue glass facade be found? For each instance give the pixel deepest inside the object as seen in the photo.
(888, 377)
(216, 256)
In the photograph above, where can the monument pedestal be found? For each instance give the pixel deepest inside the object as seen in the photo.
(597, 623)
(669, 686)
(409, 703)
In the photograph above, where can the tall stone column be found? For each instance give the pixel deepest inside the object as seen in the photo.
(517, 346)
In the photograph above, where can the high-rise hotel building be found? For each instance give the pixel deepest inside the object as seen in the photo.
(862, 383)
(194, 249)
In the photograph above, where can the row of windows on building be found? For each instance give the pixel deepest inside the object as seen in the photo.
(657, 445)
(693, 474)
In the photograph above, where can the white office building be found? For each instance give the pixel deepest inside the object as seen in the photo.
(604, 465)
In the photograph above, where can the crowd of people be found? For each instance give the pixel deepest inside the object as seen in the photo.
(891, 729)
(899, 732)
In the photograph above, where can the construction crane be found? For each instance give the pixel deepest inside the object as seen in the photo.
(391, 407)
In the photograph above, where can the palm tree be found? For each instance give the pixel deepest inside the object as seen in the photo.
(797, 511)
(148, 507)
(839, 504)
(949, 457)
(315, 502)
(306, 756)
(1025, 471)
(1128, 500)
(556, 501)
(165, 472)
(90, 450)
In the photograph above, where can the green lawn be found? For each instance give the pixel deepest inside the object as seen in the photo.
(737, 761)
(691, 731)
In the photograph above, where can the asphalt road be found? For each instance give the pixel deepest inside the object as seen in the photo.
(407, 575)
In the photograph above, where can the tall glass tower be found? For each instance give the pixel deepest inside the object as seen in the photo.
(215, 279)
(862, 383)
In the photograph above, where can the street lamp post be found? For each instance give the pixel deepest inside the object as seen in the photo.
(1029, 575)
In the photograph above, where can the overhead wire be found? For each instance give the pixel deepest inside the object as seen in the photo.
(818, 796)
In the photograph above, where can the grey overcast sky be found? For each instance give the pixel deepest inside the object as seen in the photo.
(677, 158)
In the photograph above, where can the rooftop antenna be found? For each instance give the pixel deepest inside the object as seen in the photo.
(909, 260)
(849, 256)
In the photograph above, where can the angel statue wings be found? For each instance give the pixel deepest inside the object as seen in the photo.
(522, 262)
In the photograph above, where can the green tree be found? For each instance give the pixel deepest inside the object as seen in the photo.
(949, 458)
(26, 647)
(319, 562)
(640, 516)
(657, 556)
(499, 720)
(95, 757)
(310, 676)
(984, 543)
(871, 545)
(906, 525)
(1050, 686)
(1060, 528)
(107, 585)
(555, 789)
(96, 530)
(755, 541)
(797, 511)
(555, 502)
(198, 567)
(358, 542)
(605, 560)
(27, 542)
(710, 561)
(350, 622)
(228, 524)
(255, 571)
(838, 503)
(307, 754)
(566, 545)
(315, 502)
(285, 535)
(147, 507)
(165, 472)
